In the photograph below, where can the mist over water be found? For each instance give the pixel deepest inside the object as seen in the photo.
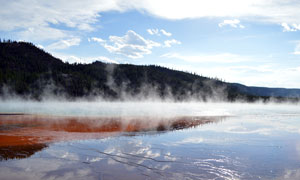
(114, 108)
(104, 108)
(149, 140)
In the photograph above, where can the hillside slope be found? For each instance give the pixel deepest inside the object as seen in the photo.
(32, 73)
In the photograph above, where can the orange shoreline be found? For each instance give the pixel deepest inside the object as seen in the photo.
(28, 133)
(32, 129)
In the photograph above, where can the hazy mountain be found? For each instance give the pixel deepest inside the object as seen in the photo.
(264, 91)
(29, 72)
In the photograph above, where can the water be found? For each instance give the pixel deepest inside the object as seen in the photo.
(149, 141)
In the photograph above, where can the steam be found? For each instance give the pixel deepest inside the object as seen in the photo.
(116, 90)
(46, 89)
(114, 109)
(137, 109)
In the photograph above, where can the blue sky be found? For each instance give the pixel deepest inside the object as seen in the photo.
(254, 42)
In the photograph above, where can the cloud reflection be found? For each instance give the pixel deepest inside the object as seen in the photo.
(31, 133)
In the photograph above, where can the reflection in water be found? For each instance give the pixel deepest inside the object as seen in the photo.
(256, 142)
(22, 135)
(19, 151)
(290, 174)
(102, 124)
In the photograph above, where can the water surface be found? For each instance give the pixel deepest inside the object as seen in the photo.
(58, 140)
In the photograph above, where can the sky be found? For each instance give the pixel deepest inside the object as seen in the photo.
(253, 42)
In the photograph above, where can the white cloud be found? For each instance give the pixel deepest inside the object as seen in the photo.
(64, 44)
(270, 11)
(40, 20)
(40, 46)
(156, 32)
(191, 140)
(83, 60)
(41, 33)
(275, 11)
(131, 45)
(297, 49)
(251, 75)
(219, 58)
(290, 28)
(287, 28)
(70, 58)
(235, 23)
(169, 43)
(165, 32)
(297, 69)
(289, 174)
(153, 32)
(99, 40)
(103, 59)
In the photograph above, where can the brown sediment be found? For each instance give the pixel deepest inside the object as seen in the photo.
(20, 151)
(32, 132)
(18, 147)
(10, 140)
(14, 124)
(10, 114)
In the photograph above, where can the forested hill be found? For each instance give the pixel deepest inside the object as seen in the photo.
(29, 72)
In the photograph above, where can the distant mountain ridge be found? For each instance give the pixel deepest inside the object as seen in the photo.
(265, 91)
(29, 72)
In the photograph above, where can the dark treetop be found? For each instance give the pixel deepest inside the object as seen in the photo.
(29, 72)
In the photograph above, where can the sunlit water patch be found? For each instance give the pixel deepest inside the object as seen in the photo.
(149, 141)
